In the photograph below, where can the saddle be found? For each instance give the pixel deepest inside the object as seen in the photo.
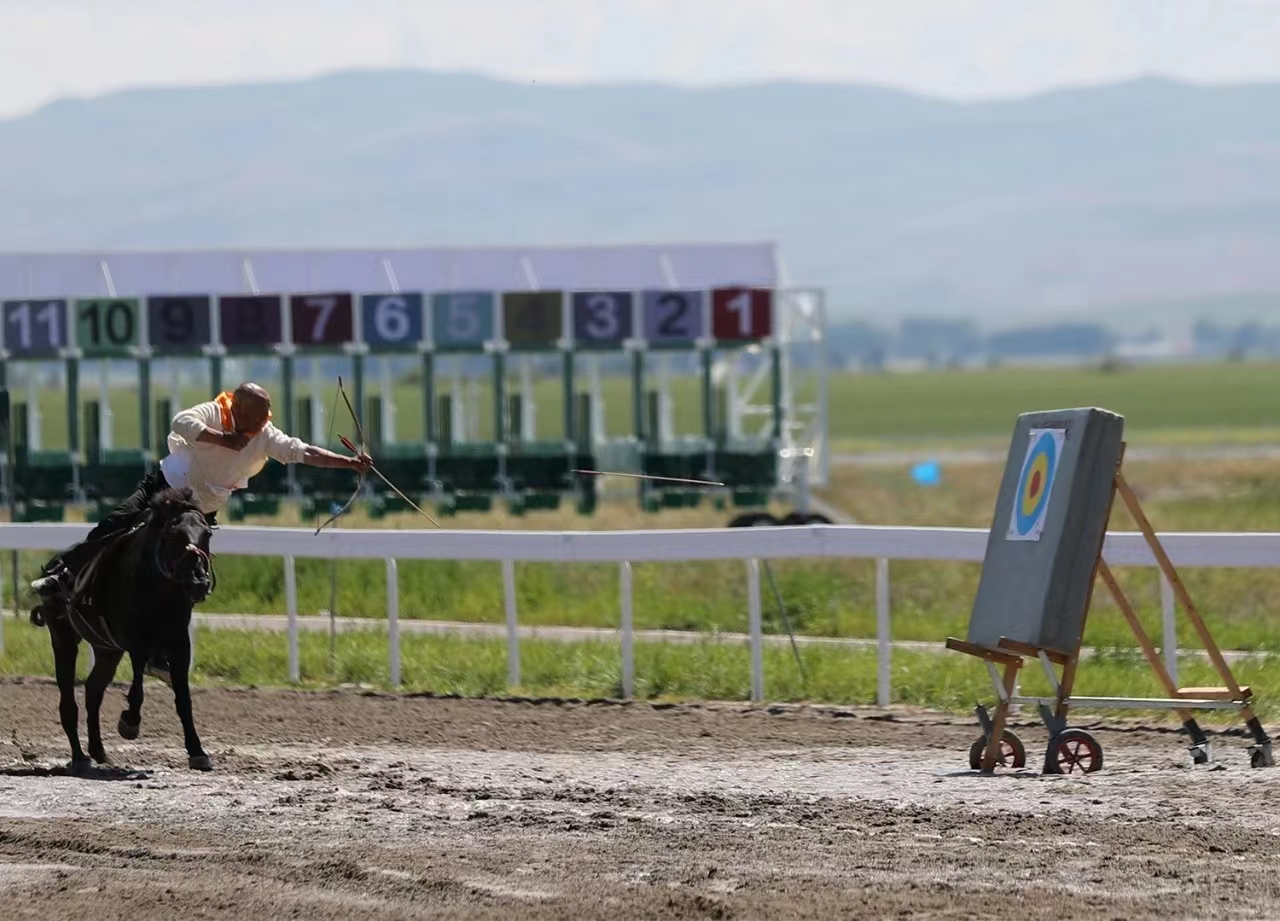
(79, 606)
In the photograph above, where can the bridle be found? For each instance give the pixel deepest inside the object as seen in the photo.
(170, 572)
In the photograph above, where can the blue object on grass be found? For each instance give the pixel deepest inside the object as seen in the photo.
(927, 473)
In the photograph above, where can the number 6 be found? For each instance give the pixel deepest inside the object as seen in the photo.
(391, 319)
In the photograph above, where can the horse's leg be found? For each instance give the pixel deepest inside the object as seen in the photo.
(179, 663)
(104, 669)
(131, 720)
(65, 649)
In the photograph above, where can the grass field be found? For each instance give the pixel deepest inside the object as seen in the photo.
(1183, 403)
(1190, 405)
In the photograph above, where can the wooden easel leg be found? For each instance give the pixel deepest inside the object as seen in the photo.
(1262, 740)
(1199, 741)
(1180, 590)
(992, 752)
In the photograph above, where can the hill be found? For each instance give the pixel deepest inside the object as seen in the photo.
(1127, 193)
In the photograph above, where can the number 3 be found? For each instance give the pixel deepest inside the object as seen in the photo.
(603, 322)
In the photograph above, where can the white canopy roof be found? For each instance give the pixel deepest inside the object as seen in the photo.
(236, 271)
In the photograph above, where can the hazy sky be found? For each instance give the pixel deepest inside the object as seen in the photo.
(958, 48)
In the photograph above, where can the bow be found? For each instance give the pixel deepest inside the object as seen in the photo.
(359, 434)
(362, 450)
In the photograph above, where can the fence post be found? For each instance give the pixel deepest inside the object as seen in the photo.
(291, 609)
(513, 636)
(628, 653)
(1170, 642)
(393, 620)
(882, 633)
(756, 630)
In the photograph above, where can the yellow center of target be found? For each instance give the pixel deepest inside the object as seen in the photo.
(1036, 483)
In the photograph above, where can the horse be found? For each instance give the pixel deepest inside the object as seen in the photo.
(134, 592)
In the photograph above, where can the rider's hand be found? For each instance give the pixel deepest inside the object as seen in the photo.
(233, 441)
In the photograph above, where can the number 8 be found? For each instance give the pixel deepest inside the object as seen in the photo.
(391, 319)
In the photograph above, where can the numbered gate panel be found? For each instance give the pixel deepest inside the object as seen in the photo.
(179, 324)
(391, 322)
(533, 320)
(35, 327)
(107, 326)
(741, 314)
(602, 319)
(674, 319)
(322, 321)
(462, 321)
(251, 322)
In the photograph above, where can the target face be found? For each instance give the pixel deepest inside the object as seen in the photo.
(1035, 483)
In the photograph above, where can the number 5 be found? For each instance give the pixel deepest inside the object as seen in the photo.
(463, 320)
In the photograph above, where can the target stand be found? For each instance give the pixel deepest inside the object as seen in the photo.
(1044, 556)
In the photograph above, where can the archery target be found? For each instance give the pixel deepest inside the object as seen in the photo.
(1035, 483)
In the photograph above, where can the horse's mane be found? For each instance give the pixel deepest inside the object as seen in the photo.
(173, 500)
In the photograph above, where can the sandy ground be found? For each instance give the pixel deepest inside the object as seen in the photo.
(359, 805)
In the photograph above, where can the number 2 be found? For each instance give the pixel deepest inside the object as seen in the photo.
(672, 324)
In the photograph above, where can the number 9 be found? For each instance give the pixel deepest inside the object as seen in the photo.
(391, 319)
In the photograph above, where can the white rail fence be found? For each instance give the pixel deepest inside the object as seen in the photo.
(751, 545)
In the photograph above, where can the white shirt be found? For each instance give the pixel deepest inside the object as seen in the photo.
(213, 472)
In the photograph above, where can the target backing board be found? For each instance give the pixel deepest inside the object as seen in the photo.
(1049, 525)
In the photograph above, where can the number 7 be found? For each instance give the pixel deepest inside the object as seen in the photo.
(326, 306)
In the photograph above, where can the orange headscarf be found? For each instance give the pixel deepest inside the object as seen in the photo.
(224, 407)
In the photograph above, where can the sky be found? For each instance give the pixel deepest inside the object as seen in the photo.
(954, 48)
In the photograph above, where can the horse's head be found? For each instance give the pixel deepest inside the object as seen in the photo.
(180, 543)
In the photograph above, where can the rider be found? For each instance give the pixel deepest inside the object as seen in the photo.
(214, 448)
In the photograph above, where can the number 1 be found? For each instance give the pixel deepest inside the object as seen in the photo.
(741, 305)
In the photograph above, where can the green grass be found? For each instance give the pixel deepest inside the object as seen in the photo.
(710, 670)
(1166, 402)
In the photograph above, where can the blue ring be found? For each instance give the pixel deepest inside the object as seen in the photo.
(1048, 447)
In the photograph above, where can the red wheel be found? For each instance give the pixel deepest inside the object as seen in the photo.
(1073, 751)
(1012, 752)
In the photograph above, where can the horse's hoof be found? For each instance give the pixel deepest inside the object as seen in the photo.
(79, 765)
(127, 729)
(100, 757)
(200, 763)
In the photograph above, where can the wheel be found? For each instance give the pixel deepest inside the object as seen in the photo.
(1012, 752)
(753, 520)
(1073, 751)
(801, 518)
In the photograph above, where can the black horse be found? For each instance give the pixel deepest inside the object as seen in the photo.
(134, 593)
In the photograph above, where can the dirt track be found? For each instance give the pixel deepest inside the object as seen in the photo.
(350, 805)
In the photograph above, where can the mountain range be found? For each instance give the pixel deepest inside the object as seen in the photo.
(1058, 204)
